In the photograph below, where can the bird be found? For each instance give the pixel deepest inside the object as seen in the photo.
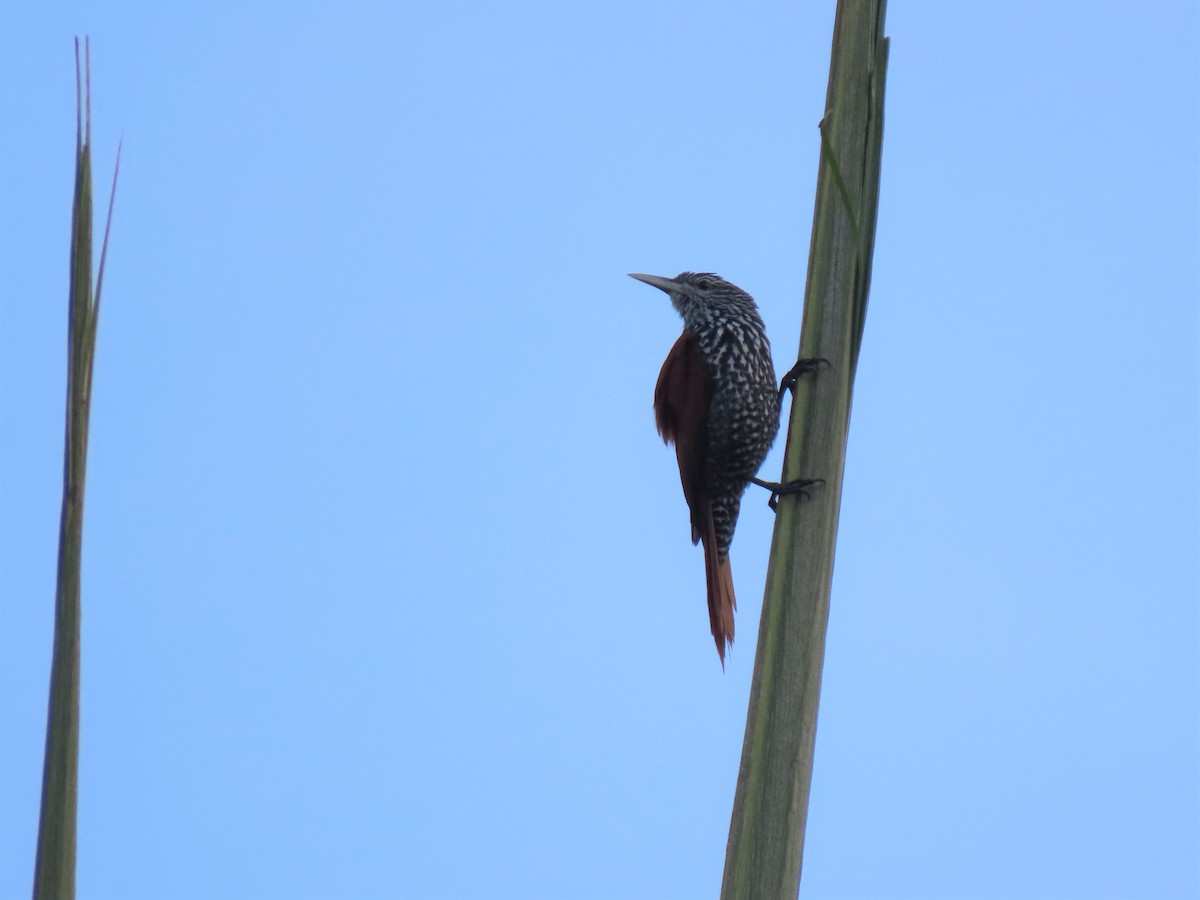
(717, 401)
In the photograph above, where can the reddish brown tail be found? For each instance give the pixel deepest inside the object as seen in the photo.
(721, 601)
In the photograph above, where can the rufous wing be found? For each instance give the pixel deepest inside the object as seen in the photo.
(681, 400)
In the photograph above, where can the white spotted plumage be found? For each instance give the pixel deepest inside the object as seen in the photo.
(743, 416)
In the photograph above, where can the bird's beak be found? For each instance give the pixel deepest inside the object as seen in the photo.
(663, 284)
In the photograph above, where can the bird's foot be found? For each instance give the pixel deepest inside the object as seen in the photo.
(779, 489)
(802, 367)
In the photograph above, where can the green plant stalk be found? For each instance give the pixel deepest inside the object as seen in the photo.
(54, 870)
(766, 836)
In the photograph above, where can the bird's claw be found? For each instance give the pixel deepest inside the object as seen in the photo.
(802, 367)
(779, 489)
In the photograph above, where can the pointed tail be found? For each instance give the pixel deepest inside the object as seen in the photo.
(719, 578)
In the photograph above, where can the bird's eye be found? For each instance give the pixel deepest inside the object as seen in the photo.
(705, 284)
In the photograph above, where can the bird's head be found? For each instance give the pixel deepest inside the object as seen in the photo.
(698, 296)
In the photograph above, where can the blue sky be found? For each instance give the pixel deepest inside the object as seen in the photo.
(388, 587)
